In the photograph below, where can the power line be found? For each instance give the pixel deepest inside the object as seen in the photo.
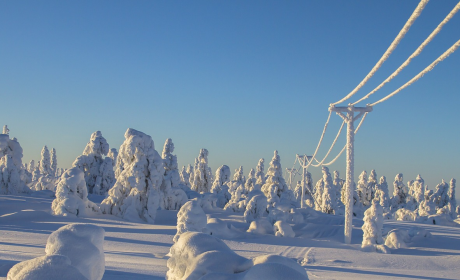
(416, 52)
(419, 75)
(418, 10)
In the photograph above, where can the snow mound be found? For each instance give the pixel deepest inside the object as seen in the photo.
(261, 226)
(282, 228)
(83, 245)
(221, 229)
(405, 215)
(190, 217)
(400, 238)
(201, 256)
(53, 267)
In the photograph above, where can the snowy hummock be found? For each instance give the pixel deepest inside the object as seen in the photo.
(190, 217)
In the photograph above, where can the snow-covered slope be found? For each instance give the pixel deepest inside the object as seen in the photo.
(139, 251)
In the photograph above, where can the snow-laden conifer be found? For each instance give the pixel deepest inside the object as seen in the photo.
(256, 208)
(45, 162)
(381, 194)
(53, 162)
(220, 186)
(416, 193)
(136, 193)
(308, 196)
(72, 195)
(371, 184)
(275, 184)
(361, 189)
(236, 203)
(260, 175)
(91, 160)
(11, 170)
(451, 194)
(202, 177)
(328, 200)
(373, 225)
(441, 194)
(250, 184)
(173, 196)
(400, 192)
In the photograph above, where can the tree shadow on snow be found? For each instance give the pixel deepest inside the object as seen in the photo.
(122, 275)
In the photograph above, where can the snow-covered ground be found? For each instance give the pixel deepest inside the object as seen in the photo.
(139, 251)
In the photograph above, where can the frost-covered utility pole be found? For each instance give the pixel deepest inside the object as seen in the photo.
(291, 171)
(348, 115)
(303, 159)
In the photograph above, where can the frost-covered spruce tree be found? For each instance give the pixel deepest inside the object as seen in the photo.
(275, 184)
(328, 200)
(173, 196)
(6, 131)
(308, 196)
(338, 185)
(185, 179)
(428, 206)
(371, 184)
(91, 160)
(238, 180)
(318, 194)
(260, 175)
(31, 166)
(136, 193)
(256, 208)
(381, 194)
(417, 193)
(361, 189)
(190, 217)
(441, 194)
(202, 177)
(45, 162)
(250, 184)
(10, 178)
(400, 193)
(236, 203)
(220, 186)
(53, 162)
(373, 225)
(72, 195)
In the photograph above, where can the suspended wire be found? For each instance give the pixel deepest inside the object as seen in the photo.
(330, 149)
(418, 10)
(344, 147)
(416, 52)
(419, 75)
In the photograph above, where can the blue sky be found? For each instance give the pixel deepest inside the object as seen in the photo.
(240, 78)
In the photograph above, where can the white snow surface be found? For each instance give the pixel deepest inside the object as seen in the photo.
(138, 250)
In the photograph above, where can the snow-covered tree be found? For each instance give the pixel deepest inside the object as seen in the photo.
(250, 184)
(371, 184)
(31, 166)
(338, 185)
(202, 177)
(238, 180)
(428, 206)
(106, 178)
(91, 160)
(441, 194)
(220, 186)
(10, 178)
(6, 131)
(373, 225)
(361, 189)
(275, 184)
(255, 208)
(328, 199)
(53, 162)
(416, 193)
(236, 203)
(136, 193)
(381, 194)
(45, 162)
(185, 178)
(72, 195)
(190, 217)
(260, 175)
(400, 193)
(451, 194)
(173, 196)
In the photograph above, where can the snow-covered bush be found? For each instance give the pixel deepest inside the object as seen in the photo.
(83, 245)
(283, 229)
(275, 184)
(136, 193)
(403, 214)
(400, 193)
(201, 256)
(256, 208)
(190, 217)
(173, 196)
(54, 267)
(72, 195)
(261, 226)
(397, 238)
(94, 166)
(202, 177)
(221, 229)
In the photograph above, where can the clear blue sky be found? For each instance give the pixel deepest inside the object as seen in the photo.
(240, 78)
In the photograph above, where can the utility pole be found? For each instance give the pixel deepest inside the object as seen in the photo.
(290, 171)
(348, 115)
(303, 159)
